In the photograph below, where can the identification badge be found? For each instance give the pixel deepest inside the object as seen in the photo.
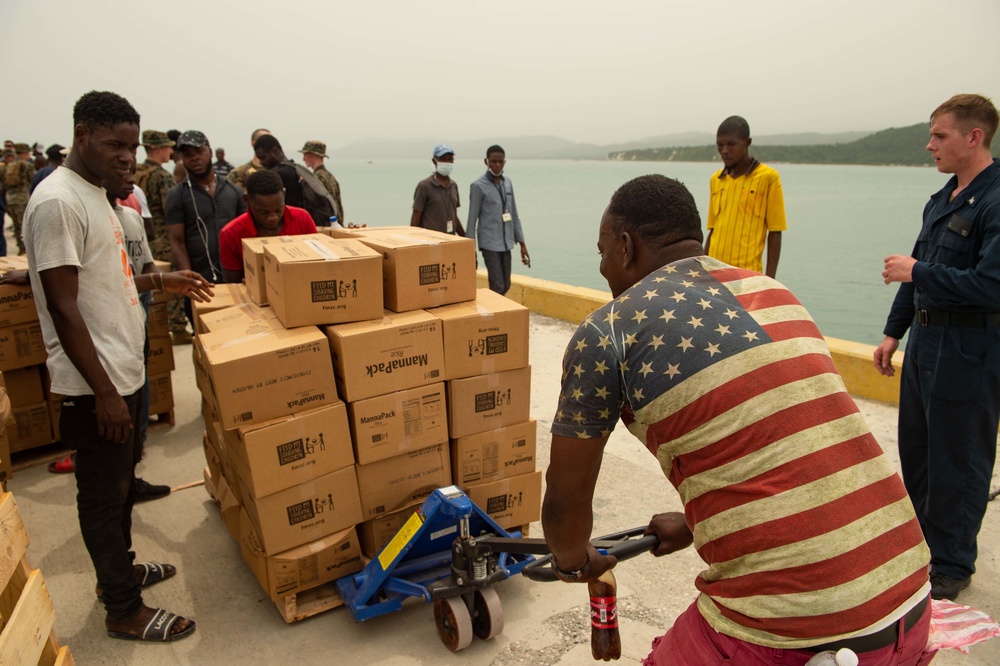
(450, 226)
(507, 217)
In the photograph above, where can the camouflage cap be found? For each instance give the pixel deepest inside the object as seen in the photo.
(315, 147)
(9, 151)
(22, 148)
(192, 138)
(155, 139)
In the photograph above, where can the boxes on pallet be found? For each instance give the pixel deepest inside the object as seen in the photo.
(21, 345)
(306, 512)
(377, 532)
(398, 422)
(31, 427)
(290, 450)
(157, 321)
(303, 567)
(226, 296)
(489, 334)
(397, 351)
(161, 394)
(24, 386)
(229, 506)
(321, 280)
(159, 356)
(510, 502)
(481, 403)
(17, 303)
(423, 268)
(389, 485)
(261, 376)
(245, 316)
(494, 454)
(254, 265)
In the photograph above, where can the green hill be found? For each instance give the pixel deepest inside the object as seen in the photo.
(896, 146)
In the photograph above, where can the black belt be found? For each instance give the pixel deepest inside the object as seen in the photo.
(945, 318)
(878, 640)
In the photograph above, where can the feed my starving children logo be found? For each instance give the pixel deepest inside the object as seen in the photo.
(309, 509)
(492, 399)
(491, 344)
(435, 273)
(500, 503)
(299, 449)
(333, 290)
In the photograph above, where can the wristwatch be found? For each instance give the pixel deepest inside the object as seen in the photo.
(570, 576)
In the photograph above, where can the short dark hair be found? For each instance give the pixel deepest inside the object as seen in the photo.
(970, 112)
(266, 142)
(495, 149)
(173, 135)
(103, 109)
(658, 210)
(736, 126)
(264, 182)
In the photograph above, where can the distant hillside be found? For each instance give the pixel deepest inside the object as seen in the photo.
(896, 146)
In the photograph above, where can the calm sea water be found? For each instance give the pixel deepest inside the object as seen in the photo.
(842, 221)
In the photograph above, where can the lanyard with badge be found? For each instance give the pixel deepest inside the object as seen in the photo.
(506, 217)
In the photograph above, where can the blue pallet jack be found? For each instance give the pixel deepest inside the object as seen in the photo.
(450, 553)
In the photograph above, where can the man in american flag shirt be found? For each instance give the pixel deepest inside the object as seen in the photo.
(810, 540)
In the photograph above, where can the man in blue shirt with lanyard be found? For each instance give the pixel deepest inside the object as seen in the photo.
(493, 220)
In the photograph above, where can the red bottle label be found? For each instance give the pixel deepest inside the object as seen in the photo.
(604, 612)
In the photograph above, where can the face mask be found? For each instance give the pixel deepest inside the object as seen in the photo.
(444, 168)
(496, 174)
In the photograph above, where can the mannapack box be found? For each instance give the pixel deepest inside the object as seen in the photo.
(293, 449)
(423, 268)
(398, 422)
(253, 263)
(226, 296)
(21, 345)
(391, 484)
(320, 280)
(489, 334)
(485, 402)
(243, 316)
(303, 567)
(510, 502)
(261, 376)
(396, 351)
(17, 302)
(495, 454)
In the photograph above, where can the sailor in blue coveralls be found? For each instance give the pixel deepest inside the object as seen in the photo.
(949, 298)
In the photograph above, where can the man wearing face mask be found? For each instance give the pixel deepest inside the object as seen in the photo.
(435, 201)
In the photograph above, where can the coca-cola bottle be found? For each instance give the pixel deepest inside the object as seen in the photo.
(605, 643)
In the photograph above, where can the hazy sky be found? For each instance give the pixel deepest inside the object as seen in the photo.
(596, 72)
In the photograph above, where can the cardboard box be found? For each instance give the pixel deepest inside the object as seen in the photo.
(486, 402)
(399, 422)
(293, 449)
(423, 268)
(510, 502)
(229, 506)
(201, 378)
(306, 512)
(21, 345)
(246, 316)
(163, 296)
(389, 485)
(253, 264)
(17, 303)
(214, 463)
(397, 351)
(487, 335)
(261, 376)
(494, 454)
(160, 356)
(226, 296)
(31, 427)
(358, 232)
(6, 470)
(24, 386)
(158, 321)
(377, 532)
(320, 280)
(301, 568)
(161, 394)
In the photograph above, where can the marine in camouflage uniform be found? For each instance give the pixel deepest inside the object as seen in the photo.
(154, 180)
(313, 154)
(16, 178)
(240, 174)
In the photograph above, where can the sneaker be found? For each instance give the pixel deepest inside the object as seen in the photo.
(180, 338)
(946, 587)
(145, 491)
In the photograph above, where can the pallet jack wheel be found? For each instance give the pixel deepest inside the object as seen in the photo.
(487, 621)
(454, 623)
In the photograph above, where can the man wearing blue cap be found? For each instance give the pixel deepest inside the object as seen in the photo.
(435, 201)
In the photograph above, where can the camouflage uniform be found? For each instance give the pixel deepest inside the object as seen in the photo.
(324, 176)
(16, 178)
(239, 175)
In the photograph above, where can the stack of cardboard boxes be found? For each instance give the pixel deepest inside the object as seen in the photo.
(326, 413)
(160, 356)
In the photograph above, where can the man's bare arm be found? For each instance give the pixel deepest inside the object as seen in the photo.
(773, 253)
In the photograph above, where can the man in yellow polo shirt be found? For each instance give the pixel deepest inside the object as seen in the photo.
(747, 206)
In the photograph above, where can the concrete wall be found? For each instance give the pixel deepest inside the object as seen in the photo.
(561, 301)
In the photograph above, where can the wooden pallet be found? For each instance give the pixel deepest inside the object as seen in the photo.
(26, 612)
(295, 607)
